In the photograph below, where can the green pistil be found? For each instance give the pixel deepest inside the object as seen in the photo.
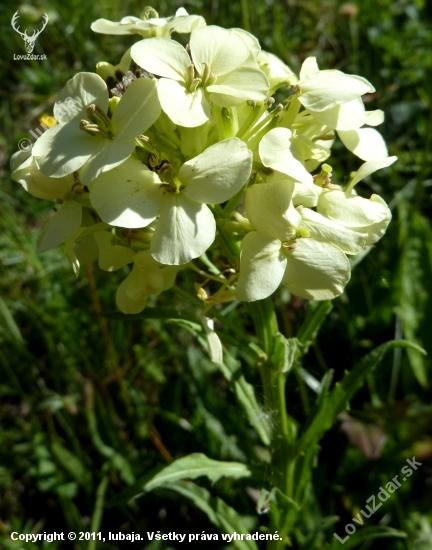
(323, 179)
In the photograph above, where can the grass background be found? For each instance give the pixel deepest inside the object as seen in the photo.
(90, 400)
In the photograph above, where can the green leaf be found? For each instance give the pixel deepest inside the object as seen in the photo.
(9, 321)
(71, 463)
(282, 506)
(189, 467)
(366, 533)
(334, 403)
(232, 371)
(245, 394)
(217, 511)
(303, 471)
(98, 510)
(285, 352)
(265, 322)
(154, 313)
(415, 301)
(283, 511)
(192, 326)
(324, 389)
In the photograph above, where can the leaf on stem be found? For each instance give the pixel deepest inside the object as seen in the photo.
(367, 533)
(335, 402)
(188, 467)
(217, 511)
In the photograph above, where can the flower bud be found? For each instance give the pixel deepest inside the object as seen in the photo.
(112, 104)
(276, 71)
(105, 70)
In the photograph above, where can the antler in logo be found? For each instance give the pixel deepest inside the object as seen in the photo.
(29, 40)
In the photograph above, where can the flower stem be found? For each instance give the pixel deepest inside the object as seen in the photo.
(283, 426)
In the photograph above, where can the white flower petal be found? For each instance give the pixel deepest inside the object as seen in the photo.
(224, 50)
(276, 71)
(325, 230)
(19, 159)
(128, 305)
(63, 149)
(137, 110)
(153, 28)
(20, 164)
(112, 256)
(316, 270)
(348, 116)
(270, 210)
(308, 68)
(184, 23)
(110, 153)
(325, 89)
(276, 151)
(370, 216)
(214, 344)
(128, 196)
(184, 108)
(147, 277)
(162, 56)
(79, 92)
(262, 267)
(245, 83)
(374, 118)
(306, 194)
(38, 185)
(61, 227)
(218, 173)
(370, 167)
(105, 26)
(366, 143)
(184, 231)
(250, 40)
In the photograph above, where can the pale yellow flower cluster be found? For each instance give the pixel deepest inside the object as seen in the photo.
(180, 150)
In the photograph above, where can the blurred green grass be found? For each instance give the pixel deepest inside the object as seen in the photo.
(86, 397)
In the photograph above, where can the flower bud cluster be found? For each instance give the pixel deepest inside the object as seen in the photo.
(180, 151)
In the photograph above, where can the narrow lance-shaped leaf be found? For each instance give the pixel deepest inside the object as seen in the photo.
(189, 467)
(344, 391)
(245, 394)
(415, 302)
(217, 511)
(366, 534)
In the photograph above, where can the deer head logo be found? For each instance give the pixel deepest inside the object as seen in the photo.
(29, 40)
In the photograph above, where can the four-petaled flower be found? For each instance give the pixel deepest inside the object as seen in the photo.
(86, 138)
(221, 69)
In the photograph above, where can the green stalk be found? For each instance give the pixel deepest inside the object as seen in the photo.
(283, 428)
(98, 511)
(245, 14)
